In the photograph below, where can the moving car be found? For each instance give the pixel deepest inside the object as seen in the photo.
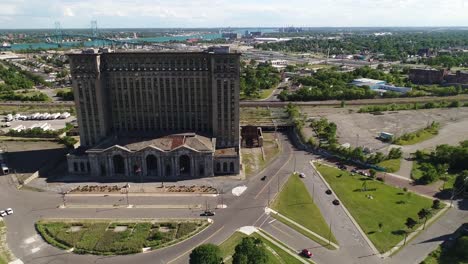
(9, 211)
(306, 253)
(207, 213)
(328, 191)
(301, 175)
(3, 213)
(264, 178)
(336, 202)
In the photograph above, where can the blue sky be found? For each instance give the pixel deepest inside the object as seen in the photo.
(238, 13)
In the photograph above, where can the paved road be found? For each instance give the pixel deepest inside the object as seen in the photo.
(246, 210)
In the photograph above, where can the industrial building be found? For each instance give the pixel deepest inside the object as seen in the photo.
(379, 85)
(151, 115)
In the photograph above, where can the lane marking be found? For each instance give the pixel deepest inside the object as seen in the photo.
(36, 249)
(284, 232)
(272, 221)
(188, 251)
(268, 183)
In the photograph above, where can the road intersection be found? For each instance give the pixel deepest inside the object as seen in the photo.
(248, 209)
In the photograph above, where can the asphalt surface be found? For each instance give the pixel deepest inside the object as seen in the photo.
(245, 210)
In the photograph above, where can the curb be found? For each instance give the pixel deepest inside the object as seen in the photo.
(131, 206)
(261, 232)
(143, 194)
(416, 232)
(303, 228)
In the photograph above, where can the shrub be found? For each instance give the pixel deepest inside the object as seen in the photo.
(436, 204)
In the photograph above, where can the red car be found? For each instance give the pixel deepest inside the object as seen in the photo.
(306, 253)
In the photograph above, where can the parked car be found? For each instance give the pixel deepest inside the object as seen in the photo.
(9, 211)
(263, 178)
(207, 213)
(328, 192)
(3, 213)
(336, 202)
(306, 253)
(301, 175)
(354, 170)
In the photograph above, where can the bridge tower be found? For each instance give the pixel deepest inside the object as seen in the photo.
(58, 32)
(94, 28)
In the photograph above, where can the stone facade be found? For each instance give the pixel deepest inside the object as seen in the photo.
(148, 95)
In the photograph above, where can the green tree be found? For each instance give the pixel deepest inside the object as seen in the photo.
(410, 224)
(461, 248)
(250, 251)
(424, 214)
(395, 153)
(435, 204)
(206, 254)
(373, 173)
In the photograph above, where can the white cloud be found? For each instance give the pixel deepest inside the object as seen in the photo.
(205, 13)
(68, 12)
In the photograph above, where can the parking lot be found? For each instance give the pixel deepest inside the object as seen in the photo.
(362, 129)
(54, 123)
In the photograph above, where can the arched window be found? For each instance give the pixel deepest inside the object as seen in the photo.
(218, 166)
(151, 165)
(225, 167)
(231, 167)
(82, 167)
(184, 164)
(119, 164)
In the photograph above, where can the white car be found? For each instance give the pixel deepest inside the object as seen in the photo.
(3, 213)
(9, 211)
(301, 175)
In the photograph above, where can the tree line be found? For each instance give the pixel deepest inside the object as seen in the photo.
(255, 78)
(397, 46)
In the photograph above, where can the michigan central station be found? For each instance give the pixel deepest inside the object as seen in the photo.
(156, 114)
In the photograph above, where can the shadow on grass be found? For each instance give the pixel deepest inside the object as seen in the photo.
(398, 232)
(367, 190)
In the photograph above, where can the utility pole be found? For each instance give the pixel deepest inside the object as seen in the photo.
(126, 192)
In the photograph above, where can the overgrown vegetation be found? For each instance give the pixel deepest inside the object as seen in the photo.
(414, 106)
(255, 78)
(444, 161)
(115, 238)
(65, 94)
(419, 135)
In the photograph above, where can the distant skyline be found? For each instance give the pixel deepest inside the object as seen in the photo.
(20, 14)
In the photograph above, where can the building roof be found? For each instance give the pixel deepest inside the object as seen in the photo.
(167, 143)
(367, 80)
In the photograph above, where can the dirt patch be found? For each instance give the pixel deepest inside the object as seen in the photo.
(74, 229)
(164, 229)
(118, 229)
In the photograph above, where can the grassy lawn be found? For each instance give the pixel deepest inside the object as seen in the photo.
(392, 165)
(265, 93)
(275, 254)
(5, 256)
(295, 202)
(389, 206)
(115, 238)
